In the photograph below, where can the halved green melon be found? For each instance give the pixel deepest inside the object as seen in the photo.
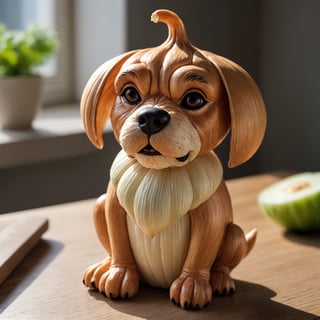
(294, 202)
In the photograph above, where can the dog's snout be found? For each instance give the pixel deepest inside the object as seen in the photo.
(152, 120)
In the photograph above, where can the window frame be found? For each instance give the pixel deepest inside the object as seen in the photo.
(58, 88)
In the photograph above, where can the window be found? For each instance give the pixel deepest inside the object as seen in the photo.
(90, 32)
(18, 14)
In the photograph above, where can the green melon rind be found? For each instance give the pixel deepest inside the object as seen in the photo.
(301, 214)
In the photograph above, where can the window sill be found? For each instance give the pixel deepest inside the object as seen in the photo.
(57, 133)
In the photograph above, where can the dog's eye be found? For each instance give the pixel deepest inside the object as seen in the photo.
(193, 101)
(131, 96)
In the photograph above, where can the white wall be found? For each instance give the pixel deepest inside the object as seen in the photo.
(100, 34)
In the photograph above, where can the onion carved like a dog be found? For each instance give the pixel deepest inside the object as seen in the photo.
(166, 217)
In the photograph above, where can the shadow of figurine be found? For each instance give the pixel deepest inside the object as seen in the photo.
(253, 302)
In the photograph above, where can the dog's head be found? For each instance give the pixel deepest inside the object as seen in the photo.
(173, 103)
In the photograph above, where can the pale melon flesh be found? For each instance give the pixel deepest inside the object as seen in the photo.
(294, 202)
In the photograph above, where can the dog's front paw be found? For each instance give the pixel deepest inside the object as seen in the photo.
(191, 290)
(119, 282)
(92, 275)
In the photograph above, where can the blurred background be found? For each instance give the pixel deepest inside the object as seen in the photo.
(276, 41)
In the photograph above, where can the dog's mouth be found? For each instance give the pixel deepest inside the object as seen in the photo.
(148, 150)
(183, 158)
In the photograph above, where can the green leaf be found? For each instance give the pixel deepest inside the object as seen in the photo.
(22, 51)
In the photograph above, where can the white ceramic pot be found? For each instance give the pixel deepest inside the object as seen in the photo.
(20, 99)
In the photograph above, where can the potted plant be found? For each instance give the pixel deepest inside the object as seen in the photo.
(20, 85)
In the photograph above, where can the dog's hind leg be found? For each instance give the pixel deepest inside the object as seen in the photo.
(234, 248)
(99, 219)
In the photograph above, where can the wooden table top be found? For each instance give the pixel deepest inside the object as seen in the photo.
(280, 279)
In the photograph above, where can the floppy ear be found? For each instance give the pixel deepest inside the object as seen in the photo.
(247, 110)
(98, 98)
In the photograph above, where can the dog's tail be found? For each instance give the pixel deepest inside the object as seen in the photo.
(251, 239)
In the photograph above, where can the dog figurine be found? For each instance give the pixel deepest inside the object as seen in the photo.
(166, 218)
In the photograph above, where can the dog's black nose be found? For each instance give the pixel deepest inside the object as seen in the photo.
(152, 120)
